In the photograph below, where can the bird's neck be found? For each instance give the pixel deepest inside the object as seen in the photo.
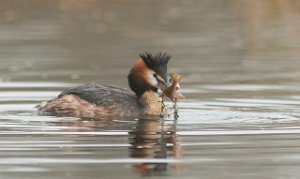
(149, 97)
(151, 102)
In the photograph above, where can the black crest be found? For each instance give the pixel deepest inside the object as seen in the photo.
(157, 63)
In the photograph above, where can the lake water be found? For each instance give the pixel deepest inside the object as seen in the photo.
(241, 117)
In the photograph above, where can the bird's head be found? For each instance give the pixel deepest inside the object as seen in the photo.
(149, 73)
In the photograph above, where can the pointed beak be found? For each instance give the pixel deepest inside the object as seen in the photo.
(162, 82)
(162, 85)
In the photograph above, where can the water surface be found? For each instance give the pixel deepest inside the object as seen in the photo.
(241, 65)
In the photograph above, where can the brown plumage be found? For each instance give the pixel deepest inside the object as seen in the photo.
(101, 101)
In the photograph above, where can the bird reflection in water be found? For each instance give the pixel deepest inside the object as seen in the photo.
(155, 139)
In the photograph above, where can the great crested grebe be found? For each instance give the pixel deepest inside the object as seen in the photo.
(99, 101)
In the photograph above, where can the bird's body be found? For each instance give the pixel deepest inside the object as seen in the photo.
(101, 101)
